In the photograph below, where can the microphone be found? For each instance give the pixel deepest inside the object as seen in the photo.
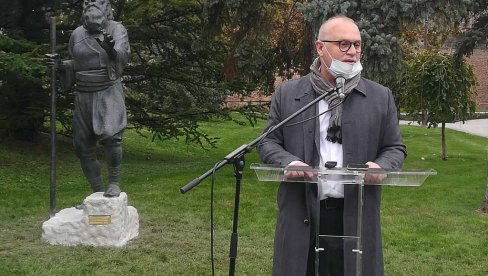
(340, 83)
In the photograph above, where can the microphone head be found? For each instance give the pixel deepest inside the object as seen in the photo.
(340, 83)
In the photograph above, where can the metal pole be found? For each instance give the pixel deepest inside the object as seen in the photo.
(317, 227)
(238, 169)
(53, 121)
(359, 244)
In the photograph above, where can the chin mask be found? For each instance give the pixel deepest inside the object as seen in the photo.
(340, 68)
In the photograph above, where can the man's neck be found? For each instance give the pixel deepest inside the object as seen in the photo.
(325, 73)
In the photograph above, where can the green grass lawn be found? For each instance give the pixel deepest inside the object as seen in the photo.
(430, 230)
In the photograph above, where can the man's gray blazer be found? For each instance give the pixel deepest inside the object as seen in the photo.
(370, 132)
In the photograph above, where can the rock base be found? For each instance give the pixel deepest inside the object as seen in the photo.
(103, 221)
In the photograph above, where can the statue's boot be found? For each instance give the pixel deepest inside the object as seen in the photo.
(92, 172)
(113, 153)
(113, 190)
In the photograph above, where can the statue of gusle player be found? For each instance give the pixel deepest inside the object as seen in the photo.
(99, 50)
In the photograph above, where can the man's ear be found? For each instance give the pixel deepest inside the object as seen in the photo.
(319, 47)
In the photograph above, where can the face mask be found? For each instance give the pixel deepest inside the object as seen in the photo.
(339, 68)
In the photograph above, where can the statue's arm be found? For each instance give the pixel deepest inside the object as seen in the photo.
(66, 70)
(121, 48)
(116, 44)
(66, 74)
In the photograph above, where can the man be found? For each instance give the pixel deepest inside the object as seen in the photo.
(363, 129)
(100, 51)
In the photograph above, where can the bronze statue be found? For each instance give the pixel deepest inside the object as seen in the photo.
(99, 50)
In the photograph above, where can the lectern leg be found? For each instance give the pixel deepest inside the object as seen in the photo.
(359, 233)
(317, 233)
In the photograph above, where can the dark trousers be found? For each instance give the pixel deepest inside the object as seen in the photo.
(331, 259)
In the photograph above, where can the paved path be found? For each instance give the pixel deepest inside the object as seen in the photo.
(477, 127)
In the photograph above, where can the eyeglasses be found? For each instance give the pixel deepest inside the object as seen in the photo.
(345, 45)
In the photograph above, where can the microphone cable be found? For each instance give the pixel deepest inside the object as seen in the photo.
(336, 90)
(316, 116)
(212, 185)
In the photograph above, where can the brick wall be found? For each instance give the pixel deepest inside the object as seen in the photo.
(479, 61)
(256, 98)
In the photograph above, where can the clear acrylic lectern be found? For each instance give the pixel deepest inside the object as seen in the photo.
(352, 175)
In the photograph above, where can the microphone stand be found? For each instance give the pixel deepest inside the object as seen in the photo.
(236, 158)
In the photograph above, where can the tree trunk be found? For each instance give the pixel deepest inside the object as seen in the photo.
(444, 146)
(484, 204)
(425, 118)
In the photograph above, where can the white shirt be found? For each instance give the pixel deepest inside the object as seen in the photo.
(328, 152)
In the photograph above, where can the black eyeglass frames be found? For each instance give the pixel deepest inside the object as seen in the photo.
(345, 45)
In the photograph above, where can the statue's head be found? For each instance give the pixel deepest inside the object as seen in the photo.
(95, 14)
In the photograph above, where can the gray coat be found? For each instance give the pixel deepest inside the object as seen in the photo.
(370, 133)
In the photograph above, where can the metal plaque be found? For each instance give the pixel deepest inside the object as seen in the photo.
(99, 219)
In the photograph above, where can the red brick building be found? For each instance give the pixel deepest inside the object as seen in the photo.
(479, 61)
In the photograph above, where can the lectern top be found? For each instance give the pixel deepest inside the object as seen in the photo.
(349, 175)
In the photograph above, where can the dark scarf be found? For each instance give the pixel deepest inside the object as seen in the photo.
(321, 85)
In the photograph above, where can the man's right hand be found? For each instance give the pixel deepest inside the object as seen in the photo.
(299, 174)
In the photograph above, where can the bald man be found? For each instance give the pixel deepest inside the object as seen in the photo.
(359, 125)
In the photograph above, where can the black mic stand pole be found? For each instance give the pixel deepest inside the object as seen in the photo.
(236, 157)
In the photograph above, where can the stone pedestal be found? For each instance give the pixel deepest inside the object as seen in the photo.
(103, 221)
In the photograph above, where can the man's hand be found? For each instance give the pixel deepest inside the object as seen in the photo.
(298, 174)
(374, 178)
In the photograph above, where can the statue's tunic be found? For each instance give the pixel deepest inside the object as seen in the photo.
(99, 99)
